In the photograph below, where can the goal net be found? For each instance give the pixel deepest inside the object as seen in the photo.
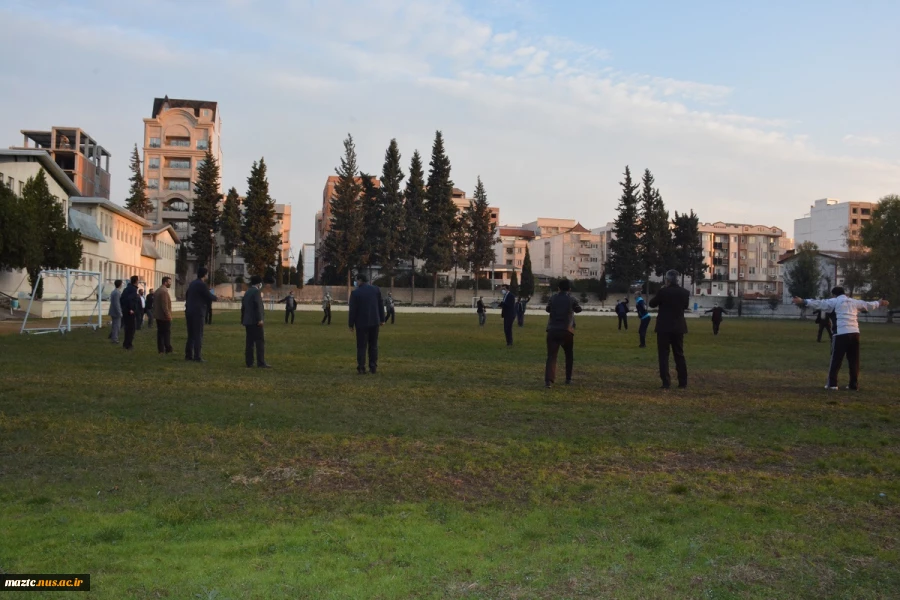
(67, 293)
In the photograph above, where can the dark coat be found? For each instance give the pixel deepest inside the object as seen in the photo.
(148, 303)
(366, 306)
(562, 308)
(198, 299)
(671, 301)
(508, 306)
(130, 300)
(717, 312)
(520, 307)
(479, 307)
(252, 311)
(290, 303)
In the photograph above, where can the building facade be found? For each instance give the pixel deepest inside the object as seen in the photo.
(509, 253)
(830, 270)
(741, 260)
(176, 137)
(80, 157)
(828, 220)
(576, 253)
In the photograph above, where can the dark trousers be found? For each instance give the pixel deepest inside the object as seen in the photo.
(164, 336)
(390, 314)
(642, 331)
(555, 339)
(844, 344)
(130, 322)
(623, 320)
(482, 318)
(676, 341)
(208, 318)
(327, 316)
(507, 329)
(255, 338)
(367, 339)
(138, 320)
(149, 312)
(824, 326)
(194, 337)
(286, 313)
(716, 327)
(520, 319)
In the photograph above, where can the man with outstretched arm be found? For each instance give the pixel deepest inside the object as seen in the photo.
(671, 300)
(846, 340)
(717, 312)
(644, 316)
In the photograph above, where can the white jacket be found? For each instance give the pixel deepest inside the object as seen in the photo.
(845, 309)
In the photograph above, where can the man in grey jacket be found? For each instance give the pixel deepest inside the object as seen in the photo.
(560, 331)
(115, 311)
(252, 313)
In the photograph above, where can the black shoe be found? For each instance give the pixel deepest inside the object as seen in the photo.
(372, 371)
(199, 360)
(851, 388)
(548, 385)
(265, 366)
(360, 371)
(642, 346)
(249, 366)
(568, 382)
(663, 387)
(682, 386)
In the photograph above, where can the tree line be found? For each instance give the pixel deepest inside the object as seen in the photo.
(646, 243)
(381, 222)
(245, 228)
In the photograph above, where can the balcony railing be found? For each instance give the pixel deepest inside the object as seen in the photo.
(178, 185)
(179, 164)
(154, 143)
(202, 144)
(179, 143)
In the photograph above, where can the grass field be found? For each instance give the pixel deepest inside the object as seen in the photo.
(452, 473)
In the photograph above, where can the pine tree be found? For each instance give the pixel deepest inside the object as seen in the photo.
(526, 288)
(514, 283)
(204, 217)
(230, 223)
(391, 237)
(260, 244)
(279, 270)
(370, 205)
(49, 243)
(415, 227)
(299, 271)
(602, 288)
(482, 232)
(803, 277)
(137, 201)
(655, 238)
(625, 265)
(344, 241)
(16, 234)
(440, 212)
(181, 262)
(687, 248)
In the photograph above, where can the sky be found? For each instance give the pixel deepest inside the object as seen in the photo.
(744, 112)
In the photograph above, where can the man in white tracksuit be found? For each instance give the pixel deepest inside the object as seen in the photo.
(846, 340)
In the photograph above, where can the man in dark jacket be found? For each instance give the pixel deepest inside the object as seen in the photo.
(290, 305)
(622, 313)
(148, 308)
(508, 312)
(366, 316)
(252, 313)
(520, 312)
(717, 312)
(644, 315)
(671, 300)
(560, 331)
(131, 311)
(827, 321)
(197, 303)
(479, 308)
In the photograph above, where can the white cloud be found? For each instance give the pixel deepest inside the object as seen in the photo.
(861, 140)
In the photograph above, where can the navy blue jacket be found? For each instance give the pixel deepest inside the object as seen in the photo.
(508, 306)
(198, 299)
(366, 306)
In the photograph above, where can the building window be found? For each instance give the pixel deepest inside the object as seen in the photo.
(853, 210)
(200, 163)
(177, 205)
(734, 255)
(153, 184)
(866, 211)
(734, 271)
(178, 184)
(153, 163)
(753, 270)
(180, 142)
(202, 144)
(179, 163)
(154, 143)
(752, 255)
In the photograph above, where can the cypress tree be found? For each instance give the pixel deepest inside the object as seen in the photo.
(260, 244)
(344, 241)
(370, 203)
(230, 222)
(655, 237)
(415, 227)
(137, 201)
(181, 262)
(687, 248)
(527, 285)
(299, 270)
(391, 238)
(440, 212)
(514, 283)
(204, 217)
(625, 265)
(482, 232)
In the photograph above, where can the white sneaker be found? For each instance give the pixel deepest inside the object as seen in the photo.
(827, 387)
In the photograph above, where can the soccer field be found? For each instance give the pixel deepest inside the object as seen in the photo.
(452, 473)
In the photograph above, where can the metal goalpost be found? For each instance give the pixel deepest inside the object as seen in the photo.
(72, 282)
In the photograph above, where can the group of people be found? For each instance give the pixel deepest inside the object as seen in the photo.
(128, 307)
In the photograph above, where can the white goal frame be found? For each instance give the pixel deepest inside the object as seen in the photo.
(65, 319)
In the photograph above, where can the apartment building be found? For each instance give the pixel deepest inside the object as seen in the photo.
(176, 137)
(509, 253)
(828, 219)
(575, 253)
(741, 259)
(80, 157)
(831, 269)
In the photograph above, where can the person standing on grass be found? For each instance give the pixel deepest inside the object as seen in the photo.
(252, 314)
(366, 316)
(846, 339)
(389, 308)
(717, 312)
(139, 317)
(480, 310)
(290, 305)
(131, 309)
(622, 312)
(326, 309)
(162, 311)
(671, 300)
(508, 312)
(115, 311)
(148, 308)
(826, 322)
(560, 331)
(644, 315)
(520, 312)
(197, 304)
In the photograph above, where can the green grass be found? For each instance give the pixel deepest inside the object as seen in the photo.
(452, 473)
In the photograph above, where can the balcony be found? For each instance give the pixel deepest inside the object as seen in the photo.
(202, 144)
(179, 142)
(182, 185)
